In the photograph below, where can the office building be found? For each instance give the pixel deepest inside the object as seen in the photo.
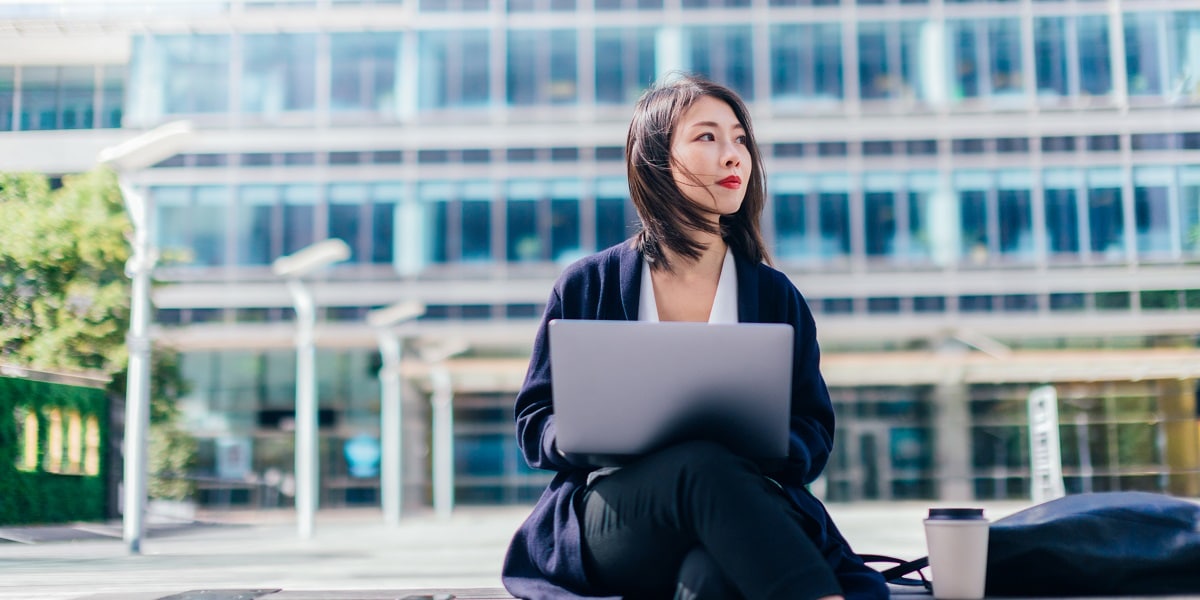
(977, 198)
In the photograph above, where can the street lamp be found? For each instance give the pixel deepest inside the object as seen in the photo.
(294, 267)
(441, 399)
(391, 478)
(126, 158)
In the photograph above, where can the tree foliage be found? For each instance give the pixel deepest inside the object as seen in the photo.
(64, 298)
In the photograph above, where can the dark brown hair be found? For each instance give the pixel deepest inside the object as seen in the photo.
(666, 213)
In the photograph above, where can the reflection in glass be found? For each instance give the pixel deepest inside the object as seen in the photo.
(278, 72)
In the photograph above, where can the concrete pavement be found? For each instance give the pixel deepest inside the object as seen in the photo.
(352, 552)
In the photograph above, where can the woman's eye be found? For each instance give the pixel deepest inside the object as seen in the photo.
(706, 137)
(741, 139)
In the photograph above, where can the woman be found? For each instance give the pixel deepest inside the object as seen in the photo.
(692, 520)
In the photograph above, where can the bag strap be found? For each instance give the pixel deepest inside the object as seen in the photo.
(903, 567)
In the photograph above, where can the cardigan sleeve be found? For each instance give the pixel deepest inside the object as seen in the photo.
(534, 405)
(812, 421)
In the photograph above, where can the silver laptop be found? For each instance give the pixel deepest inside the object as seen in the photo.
(625, 388)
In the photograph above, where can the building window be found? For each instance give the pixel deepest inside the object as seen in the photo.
(723, 54)
(1106, 220)
(454, 69)
(1144, 63)
(8, 93)
(921, 147)
(985, 58)
(363, 68)
(624, 63)
(179, 75)
(833, 216)
(1014, 200)
(190, 224)
(879, 205)
(1062, 213)
(788, 150)
(1095, 61)
(278, 73)
(1063, 143)
(894, 61)
(57, 97)
(1050, 56)
(790, 207)
(615, 217)
(806, 62)
(1189, 200)
(257, 238)
(1152, 210)
(542, 67)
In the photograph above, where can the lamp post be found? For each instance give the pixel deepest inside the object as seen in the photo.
(441, 399)
(126, 158)
(391, 473)
(294, 267)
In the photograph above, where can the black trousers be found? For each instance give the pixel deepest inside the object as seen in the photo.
(695, 521)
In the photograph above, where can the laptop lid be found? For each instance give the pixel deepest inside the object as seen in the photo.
(625, 388)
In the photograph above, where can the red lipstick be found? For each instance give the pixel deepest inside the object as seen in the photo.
(732, 182)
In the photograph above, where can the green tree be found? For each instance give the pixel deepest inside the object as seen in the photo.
(64, 299)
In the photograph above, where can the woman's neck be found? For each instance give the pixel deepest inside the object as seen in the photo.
(705, 267)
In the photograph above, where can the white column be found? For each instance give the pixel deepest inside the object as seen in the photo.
(443, 440)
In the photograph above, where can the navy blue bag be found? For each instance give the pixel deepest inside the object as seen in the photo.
(1104, 544)
(1114, 543)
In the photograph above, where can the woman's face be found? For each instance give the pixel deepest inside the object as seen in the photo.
(709, 144)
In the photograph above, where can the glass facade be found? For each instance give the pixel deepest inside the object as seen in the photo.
(974, 142)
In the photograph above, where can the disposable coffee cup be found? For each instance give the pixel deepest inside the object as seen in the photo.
(957, 540)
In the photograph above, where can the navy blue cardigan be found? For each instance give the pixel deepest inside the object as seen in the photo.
(544, 559)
